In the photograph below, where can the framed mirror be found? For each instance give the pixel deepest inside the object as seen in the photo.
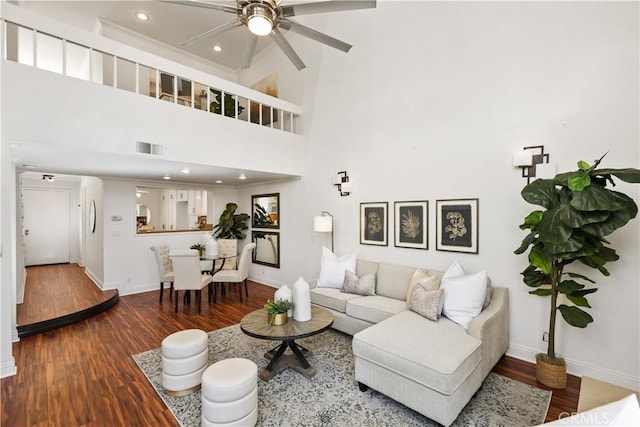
(267, 250)
(265, 211)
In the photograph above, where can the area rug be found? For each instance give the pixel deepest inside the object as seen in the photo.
(332, 397)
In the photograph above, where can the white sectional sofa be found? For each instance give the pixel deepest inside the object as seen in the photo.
(433, 367)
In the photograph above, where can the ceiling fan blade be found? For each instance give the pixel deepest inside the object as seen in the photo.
(326, 6)
(287, 49)
(215, 31)
(249, 50)
(203, 4)
(288, 24)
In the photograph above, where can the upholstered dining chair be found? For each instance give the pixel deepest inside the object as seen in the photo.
(238, 275)
(165, 269)
(227, 247)
(187, 274)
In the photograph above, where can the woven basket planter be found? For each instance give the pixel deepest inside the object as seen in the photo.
(551, 372)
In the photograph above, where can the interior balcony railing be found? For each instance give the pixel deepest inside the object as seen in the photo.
(77, 59)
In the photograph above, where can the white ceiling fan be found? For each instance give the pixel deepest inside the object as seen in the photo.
(267, 17)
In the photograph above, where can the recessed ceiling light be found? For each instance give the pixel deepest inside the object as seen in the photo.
(218, 182)
(185, 170)
(167, 177)
(142, 16)
(242, 176)
(217, 48)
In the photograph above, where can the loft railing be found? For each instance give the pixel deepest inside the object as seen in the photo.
(76, 59)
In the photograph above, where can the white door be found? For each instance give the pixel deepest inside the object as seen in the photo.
(46, 226)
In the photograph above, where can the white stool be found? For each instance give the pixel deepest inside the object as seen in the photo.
(230, 393)
(184, 358)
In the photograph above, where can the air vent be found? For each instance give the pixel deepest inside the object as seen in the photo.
(148, 148)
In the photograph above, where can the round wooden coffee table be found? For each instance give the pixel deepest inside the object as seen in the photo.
(256, 324)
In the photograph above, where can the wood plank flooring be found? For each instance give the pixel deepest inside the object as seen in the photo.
(56, 290)
(84, 375)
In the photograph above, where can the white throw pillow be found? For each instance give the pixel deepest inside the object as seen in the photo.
(456, 270)
(332, 269)
(463, 295)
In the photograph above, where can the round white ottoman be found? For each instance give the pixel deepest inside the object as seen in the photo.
(184, 359)
(230, 393)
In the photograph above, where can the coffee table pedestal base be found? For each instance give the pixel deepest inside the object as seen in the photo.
(280, 361)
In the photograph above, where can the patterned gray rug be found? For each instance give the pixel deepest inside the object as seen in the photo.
(332, 398)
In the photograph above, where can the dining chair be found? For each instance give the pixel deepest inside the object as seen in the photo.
(165, 269)
(238, 275)
(227, 247)
(188, 277)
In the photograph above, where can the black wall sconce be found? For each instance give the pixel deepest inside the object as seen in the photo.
(342, 181)
(534, 163)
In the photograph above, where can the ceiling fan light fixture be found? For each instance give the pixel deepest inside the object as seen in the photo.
(259, 24)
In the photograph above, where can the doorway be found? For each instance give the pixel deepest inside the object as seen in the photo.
(46, 226)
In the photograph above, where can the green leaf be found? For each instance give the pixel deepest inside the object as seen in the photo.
(584, 165)
(573, 244)
(539, 259)
(552, 229)
(541, 292)
(578, 300)
(569, 286)
(580, 180)
(597, 198)
(579, 276)
(627, 175)
(541, 192)
(533, 277)
(531, 237)
(575, 316)
(532, 220)
(584, 292)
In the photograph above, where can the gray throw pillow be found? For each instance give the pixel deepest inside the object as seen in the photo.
(427, 303)
(365, 285)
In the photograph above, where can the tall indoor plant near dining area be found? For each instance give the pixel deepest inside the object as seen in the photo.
(579, 212)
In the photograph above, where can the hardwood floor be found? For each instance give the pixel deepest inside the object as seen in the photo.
(84, 375)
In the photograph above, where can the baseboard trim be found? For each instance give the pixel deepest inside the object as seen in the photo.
(8, 369)
(67, 319)
(578, 368)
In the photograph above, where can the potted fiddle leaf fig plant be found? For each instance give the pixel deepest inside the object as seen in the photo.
(231, 224)
(579, 211)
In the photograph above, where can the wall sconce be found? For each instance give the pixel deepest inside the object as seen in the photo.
(534, 160)
(342, 181)
(48, 178)
(323, 223)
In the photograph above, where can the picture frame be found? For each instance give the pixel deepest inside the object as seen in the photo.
(457, 225)
(267, 251)
(374, 228)
(411, 224)
(265, 210)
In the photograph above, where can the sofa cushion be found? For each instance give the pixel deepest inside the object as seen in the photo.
(331, 298)
(438, 355)
(332, 268)
(375, 308)
(393, 280)
(464, 296)
(427, 303)
(363, 285)
(430, 283)
(366, 267)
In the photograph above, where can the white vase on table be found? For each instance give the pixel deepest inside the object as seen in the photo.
(284, 293)
(211, 248)
(301, 300)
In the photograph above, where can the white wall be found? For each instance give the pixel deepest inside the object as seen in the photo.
(431, 105)
(92, 189)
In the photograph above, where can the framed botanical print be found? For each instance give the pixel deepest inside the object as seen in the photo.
(457, 225)
(373, 223)
(411, 224)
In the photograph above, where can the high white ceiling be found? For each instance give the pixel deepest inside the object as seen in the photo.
(168, 23)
